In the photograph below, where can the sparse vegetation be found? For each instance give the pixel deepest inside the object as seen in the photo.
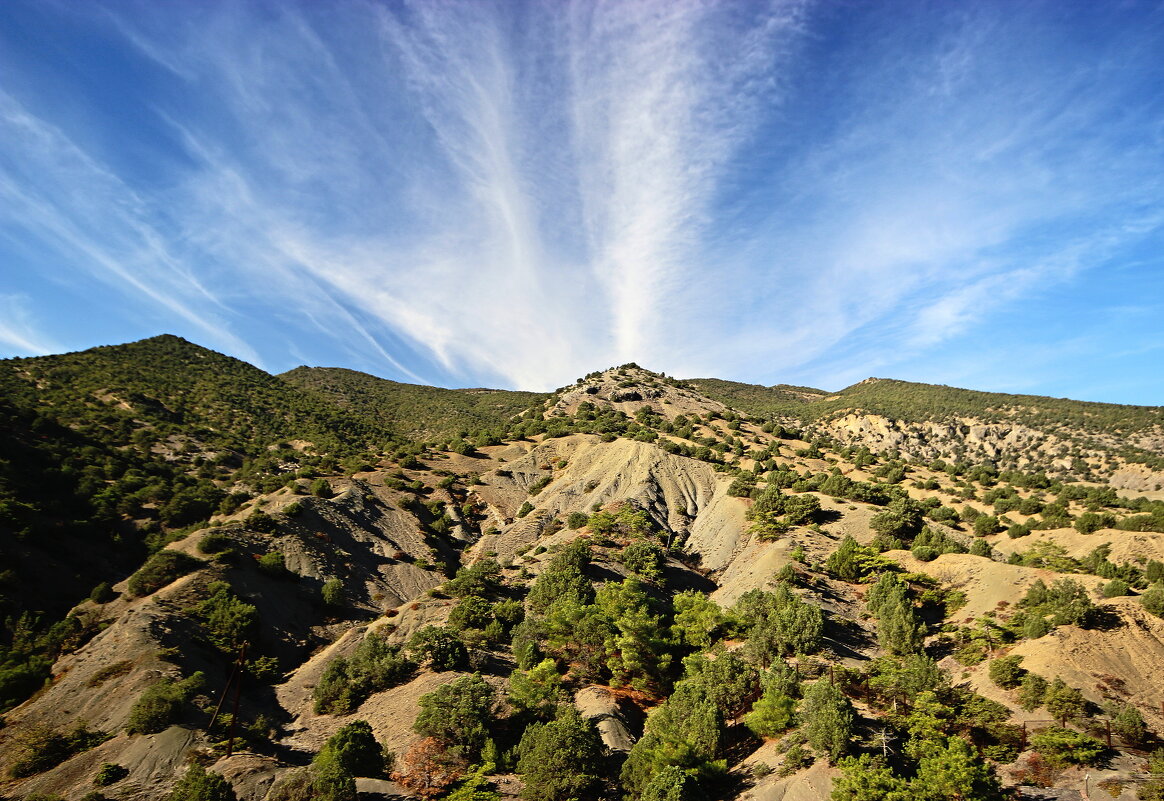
(552, 594)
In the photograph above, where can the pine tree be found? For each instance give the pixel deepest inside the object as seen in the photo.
(828, 719)
(956, 773)
(864, 779)
(899, 630)
(536, 693)
(1063, 702)
(355, 748)
(559, 759)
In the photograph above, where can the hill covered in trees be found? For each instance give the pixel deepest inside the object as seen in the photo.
(219, 583)
(418, 412)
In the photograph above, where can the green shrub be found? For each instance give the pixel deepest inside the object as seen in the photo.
(103, 593)
(158, 571)
(560, 759)
(1153, 599)
(1032, 691)
(577, 520)
(1062, 747)
(273, 563)
(227, 619)
(346, 683)
(440, 646)
(355, 748)
(525, 509)
(214, 542)
(198, 784)
(332, 592)
(38, 748)
(482, 578)
(1006, 671)
(457, 714)
(985, 525)
(925, 553)
(773, 714)
(981, 548)
(161, 704)
(643, 558)
(1128, 723)
(110, 773)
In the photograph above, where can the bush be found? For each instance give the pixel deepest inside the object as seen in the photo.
(346, 683)
(925, 553)
(481, 578)
(577, 520)
(355, 748)
(986, 525)
(773, 714)
(1063, 702)
(214, 542)
(525, 509)
(274, 564)
(1006, 671)
(198, 784)
(103, 593)
(430, 769)
(441, 646)
(332, 592)
(1153, 599)
(262, 522)
(110, 773)
(227, 620)
(1066, 600)
(160, 705)
(1032, 691)
(560, 759)
(39, 749)
(981, 548)
(457, 714)
(643, 558)
(158, 571)
(1115, 588)
(828, 719)
(1062, 747)
(1128, 723)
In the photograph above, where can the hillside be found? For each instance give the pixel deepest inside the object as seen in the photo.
(635, 587)
(417, 412)
(1088, 441)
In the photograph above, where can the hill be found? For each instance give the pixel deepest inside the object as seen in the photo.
(1088, 441)
(630, 589)
(417, 412)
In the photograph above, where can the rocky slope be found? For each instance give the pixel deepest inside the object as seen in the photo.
(332, 561)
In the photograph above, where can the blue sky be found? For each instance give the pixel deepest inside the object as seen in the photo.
(514, 194)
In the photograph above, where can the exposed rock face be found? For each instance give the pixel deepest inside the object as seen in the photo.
(1138, 478)
(615, 724)
(960, 439)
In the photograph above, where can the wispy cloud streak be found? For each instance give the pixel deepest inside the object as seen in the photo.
(518, 193)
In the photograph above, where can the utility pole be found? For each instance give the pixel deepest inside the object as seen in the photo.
(235, 680)
(242, 658)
